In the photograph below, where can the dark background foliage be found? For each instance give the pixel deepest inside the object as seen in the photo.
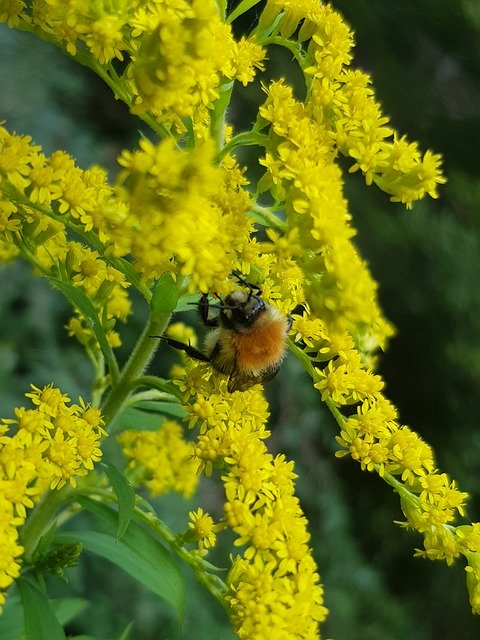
(425, 62)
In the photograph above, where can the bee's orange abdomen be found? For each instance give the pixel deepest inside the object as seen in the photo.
(261, 346)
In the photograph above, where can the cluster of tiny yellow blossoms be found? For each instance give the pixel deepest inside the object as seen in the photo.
(302, 172)
(202, 530)
(161, 460)
(44, 447)
(39, 198)
(172, 210)
(185, 209)
(179, 52)
(372, 436)
(274, 584)
(338, 115)
(340, 101)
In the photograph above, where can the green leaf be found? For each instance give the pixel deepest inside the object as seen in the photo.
(12, 622)
(46, 539)
(242, 7)
(165, 297)
(135, 419)
(187, 302)
(68, 608)
(125, 495)
(146, 420)
(125, 633)
(139, 420)
(222, 8)
(80, 301)
(159, 407)
(138, 553)
(40, 620)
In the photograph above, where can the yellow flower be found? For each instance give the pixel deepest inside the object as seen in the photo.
(246, 58)
(162, 459)
(52, 444)
(410, 456)
(104, 38)
(11, 11)
(202, 529)
(274, 584)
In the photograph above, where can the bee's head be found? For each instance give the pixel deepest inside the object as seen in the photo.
(240, 309)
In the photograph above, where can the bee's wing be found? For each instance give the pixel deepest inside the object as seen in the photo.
(240, 381)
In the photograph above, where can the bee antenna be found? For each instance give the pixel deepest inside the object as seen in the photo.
(248, 285)
(240, 278)
(210, 305)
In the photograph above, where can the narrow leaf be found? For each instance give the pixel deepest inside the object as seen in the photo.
(80, 301)
(12, 622)
(68, 608)
(40, 620)
(125, 633)
(165, 297)
(159, 407)
(125, 495)
(242, 7)
(148, 548)
(137, 420)
(146, 420)
(148, 562)
(187, 302)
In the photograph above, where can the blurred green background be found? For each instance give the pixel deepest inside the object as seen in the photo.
(425, 61)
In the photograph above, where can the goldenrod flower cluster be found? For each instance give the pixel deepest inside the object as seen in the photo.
(340, 107)
(180, 206)
(161, 460)
(40, 199)
(179, 52)
(338, 115)
(172, 210)
(187, 215)
(274, 583)
(372, 435)
(44, 447)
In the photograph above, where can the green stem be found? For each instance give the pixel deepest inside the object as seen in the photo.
(40, 519)
(247, 138)
(266, 217)
(211, 582)
(303, 358)
(136, 365)
(401, 489)
(294, 47)
(218, 116)
(161, 385)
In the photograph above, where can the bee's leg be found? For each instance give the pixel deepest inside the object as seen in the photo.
(253, 287)
(187, 348)
(203, 309)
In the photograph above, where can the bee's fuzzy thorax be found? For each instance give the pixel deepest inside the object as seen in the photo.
(254, 349)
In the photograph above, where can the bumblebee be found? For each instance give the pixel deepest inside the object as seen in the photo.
(246, 338)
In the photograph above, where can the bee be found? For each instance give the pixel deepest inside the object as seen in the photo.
(246, 338)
